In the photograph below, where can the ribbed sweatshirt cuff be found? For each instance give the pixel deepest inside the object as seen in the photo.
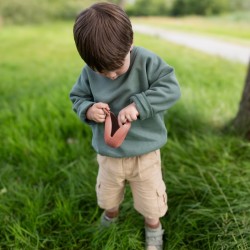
(83, 110)
(143, 106)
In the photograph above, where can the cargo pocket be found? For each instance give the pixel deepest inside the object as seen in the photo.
(162, 198)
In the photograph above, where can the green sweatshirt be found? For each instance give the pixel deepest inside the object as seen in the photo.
(149, 82)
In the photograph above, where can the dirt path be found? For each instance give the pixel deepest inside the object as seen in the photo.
(206, 44)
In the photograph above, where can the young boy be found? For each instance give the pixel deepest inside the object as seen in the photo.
(137, 86)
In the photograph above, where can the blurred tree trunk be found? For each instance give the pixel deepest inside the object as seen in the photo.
(121, 3)
(242, 120)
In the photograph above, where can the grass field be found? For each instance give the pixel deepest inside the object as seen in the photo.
(48, 168)
(231, 27)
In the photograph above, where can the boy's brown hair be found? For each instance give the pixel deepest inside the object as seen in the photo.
(103, 35)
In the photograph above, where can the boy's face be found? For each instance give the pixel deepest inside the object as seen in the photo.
(122, 70)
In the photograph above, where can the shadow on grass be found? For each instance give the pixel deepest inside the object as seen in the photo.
(182, 123)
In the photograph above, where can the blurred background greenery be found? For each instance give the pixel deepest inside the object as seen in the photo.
(35, 11)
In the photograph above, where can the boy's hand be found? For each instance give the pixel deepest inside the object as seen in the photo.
(95, 112)
(129, 113)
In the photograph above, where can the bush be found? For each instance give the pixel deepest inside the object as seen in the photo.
(205, 7)
(19, 11)
(34, 11)
(148, 8)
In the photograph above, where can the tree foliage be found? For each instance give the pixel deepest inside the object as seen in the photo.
(185, 7)
(35, 11)
(204, 7)
(148, 8)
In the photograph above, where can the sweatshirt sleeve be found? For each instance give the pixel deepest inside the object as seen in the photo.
(81, 97)
(163, 89)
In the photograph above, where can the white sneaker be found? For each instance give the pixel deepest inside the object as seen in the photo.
(154, 239)
(105, 221)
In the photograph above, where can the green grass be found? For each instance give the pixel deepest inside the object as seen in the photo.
(232, 27)
(48, 168)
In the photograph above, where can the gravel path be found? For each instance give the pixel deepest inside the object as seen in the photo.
(206, 44)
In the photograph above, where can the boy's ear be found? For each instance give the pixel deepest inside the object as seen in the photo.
(132, 46)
